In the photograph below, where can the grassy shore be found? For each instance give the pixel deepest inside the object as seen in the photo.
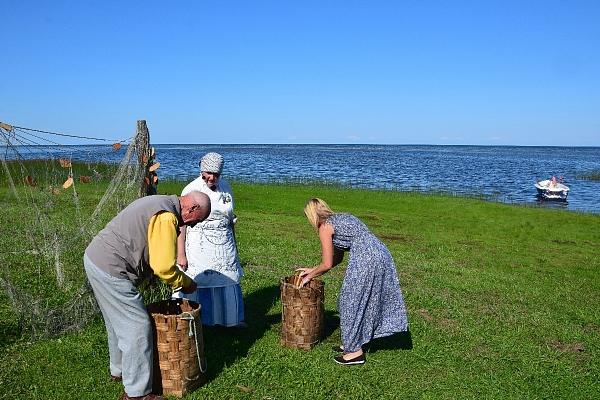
(503, 303)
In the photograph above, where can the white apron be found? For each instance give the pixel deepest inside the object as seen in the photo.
(210, 245)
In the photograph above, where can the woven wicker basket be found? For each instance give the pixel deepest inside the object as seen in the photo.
(301, 313)
(179, 363)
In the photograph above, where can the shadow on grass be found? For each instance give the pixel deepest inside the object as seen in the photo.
(9, 334)
(331, 322)
(223, 346)
(397, 341)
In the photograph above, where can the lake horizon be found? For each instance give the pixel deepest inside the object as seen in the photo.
(501, 173)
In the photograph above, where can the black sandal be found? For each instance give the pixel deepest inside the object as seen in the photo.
(353, 361)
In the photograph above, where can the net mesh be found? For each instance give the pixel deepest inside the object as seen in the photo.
(54, 199)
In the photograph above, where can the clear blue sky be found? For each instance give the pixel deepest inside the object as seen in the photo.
(381, 72)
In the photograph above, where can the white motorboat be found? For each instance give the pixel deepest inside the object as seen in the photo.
(549, 189)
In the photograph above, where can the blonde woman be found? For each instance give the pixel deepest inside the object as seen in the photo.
(370, 303)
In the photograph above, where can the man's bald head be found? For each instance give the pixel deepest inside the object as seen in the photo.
(195, 207)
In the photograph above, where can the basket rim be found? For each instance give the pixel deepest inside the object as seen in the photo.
(318, 281)
(154, 308)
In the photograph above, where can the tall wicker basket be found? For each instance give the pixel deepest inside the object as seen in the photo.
(302, 311)
(179, 363)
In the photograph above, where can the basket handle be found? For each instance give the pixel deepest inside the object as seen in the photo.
(192, 333)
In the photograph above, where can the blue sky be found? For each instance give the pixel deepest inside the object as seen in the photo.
(373, 72)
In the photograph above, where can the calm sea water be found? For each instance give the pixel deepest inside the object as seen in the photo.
(498, 173)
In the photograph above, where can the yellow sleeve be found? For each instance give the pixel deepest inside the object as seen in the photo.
(162, 249)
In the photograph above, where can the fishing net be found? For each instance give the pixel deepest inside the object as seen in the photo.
(54, 199)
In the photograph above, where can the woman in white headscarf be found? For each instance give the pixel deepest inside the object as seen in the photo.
(208, 252)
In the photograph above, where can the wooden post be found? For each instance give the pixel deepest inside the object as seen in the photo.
(146, 160)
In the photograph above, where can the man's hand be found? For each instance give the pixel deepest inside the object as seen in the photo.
(189, 289)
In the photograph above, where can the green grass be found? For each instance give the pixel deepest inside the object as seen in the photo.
(503, 303)
(589, 176)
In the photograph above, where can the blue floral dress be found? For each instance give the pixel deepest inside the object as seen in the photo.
(370, 302)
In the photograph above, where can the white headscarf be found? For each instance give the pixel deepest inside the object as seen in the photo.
(212, 162)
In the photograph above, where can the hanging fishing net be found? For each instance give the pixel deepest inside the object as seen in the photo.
(54, 198)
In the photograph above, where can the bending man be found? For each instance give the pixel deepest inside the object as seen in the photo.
(139, 242)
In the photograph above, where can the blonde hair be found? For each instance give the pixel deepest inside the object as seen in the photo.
(317, 211)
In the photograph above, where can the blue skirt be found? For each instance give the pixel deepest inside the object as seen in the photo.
(221, 305)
